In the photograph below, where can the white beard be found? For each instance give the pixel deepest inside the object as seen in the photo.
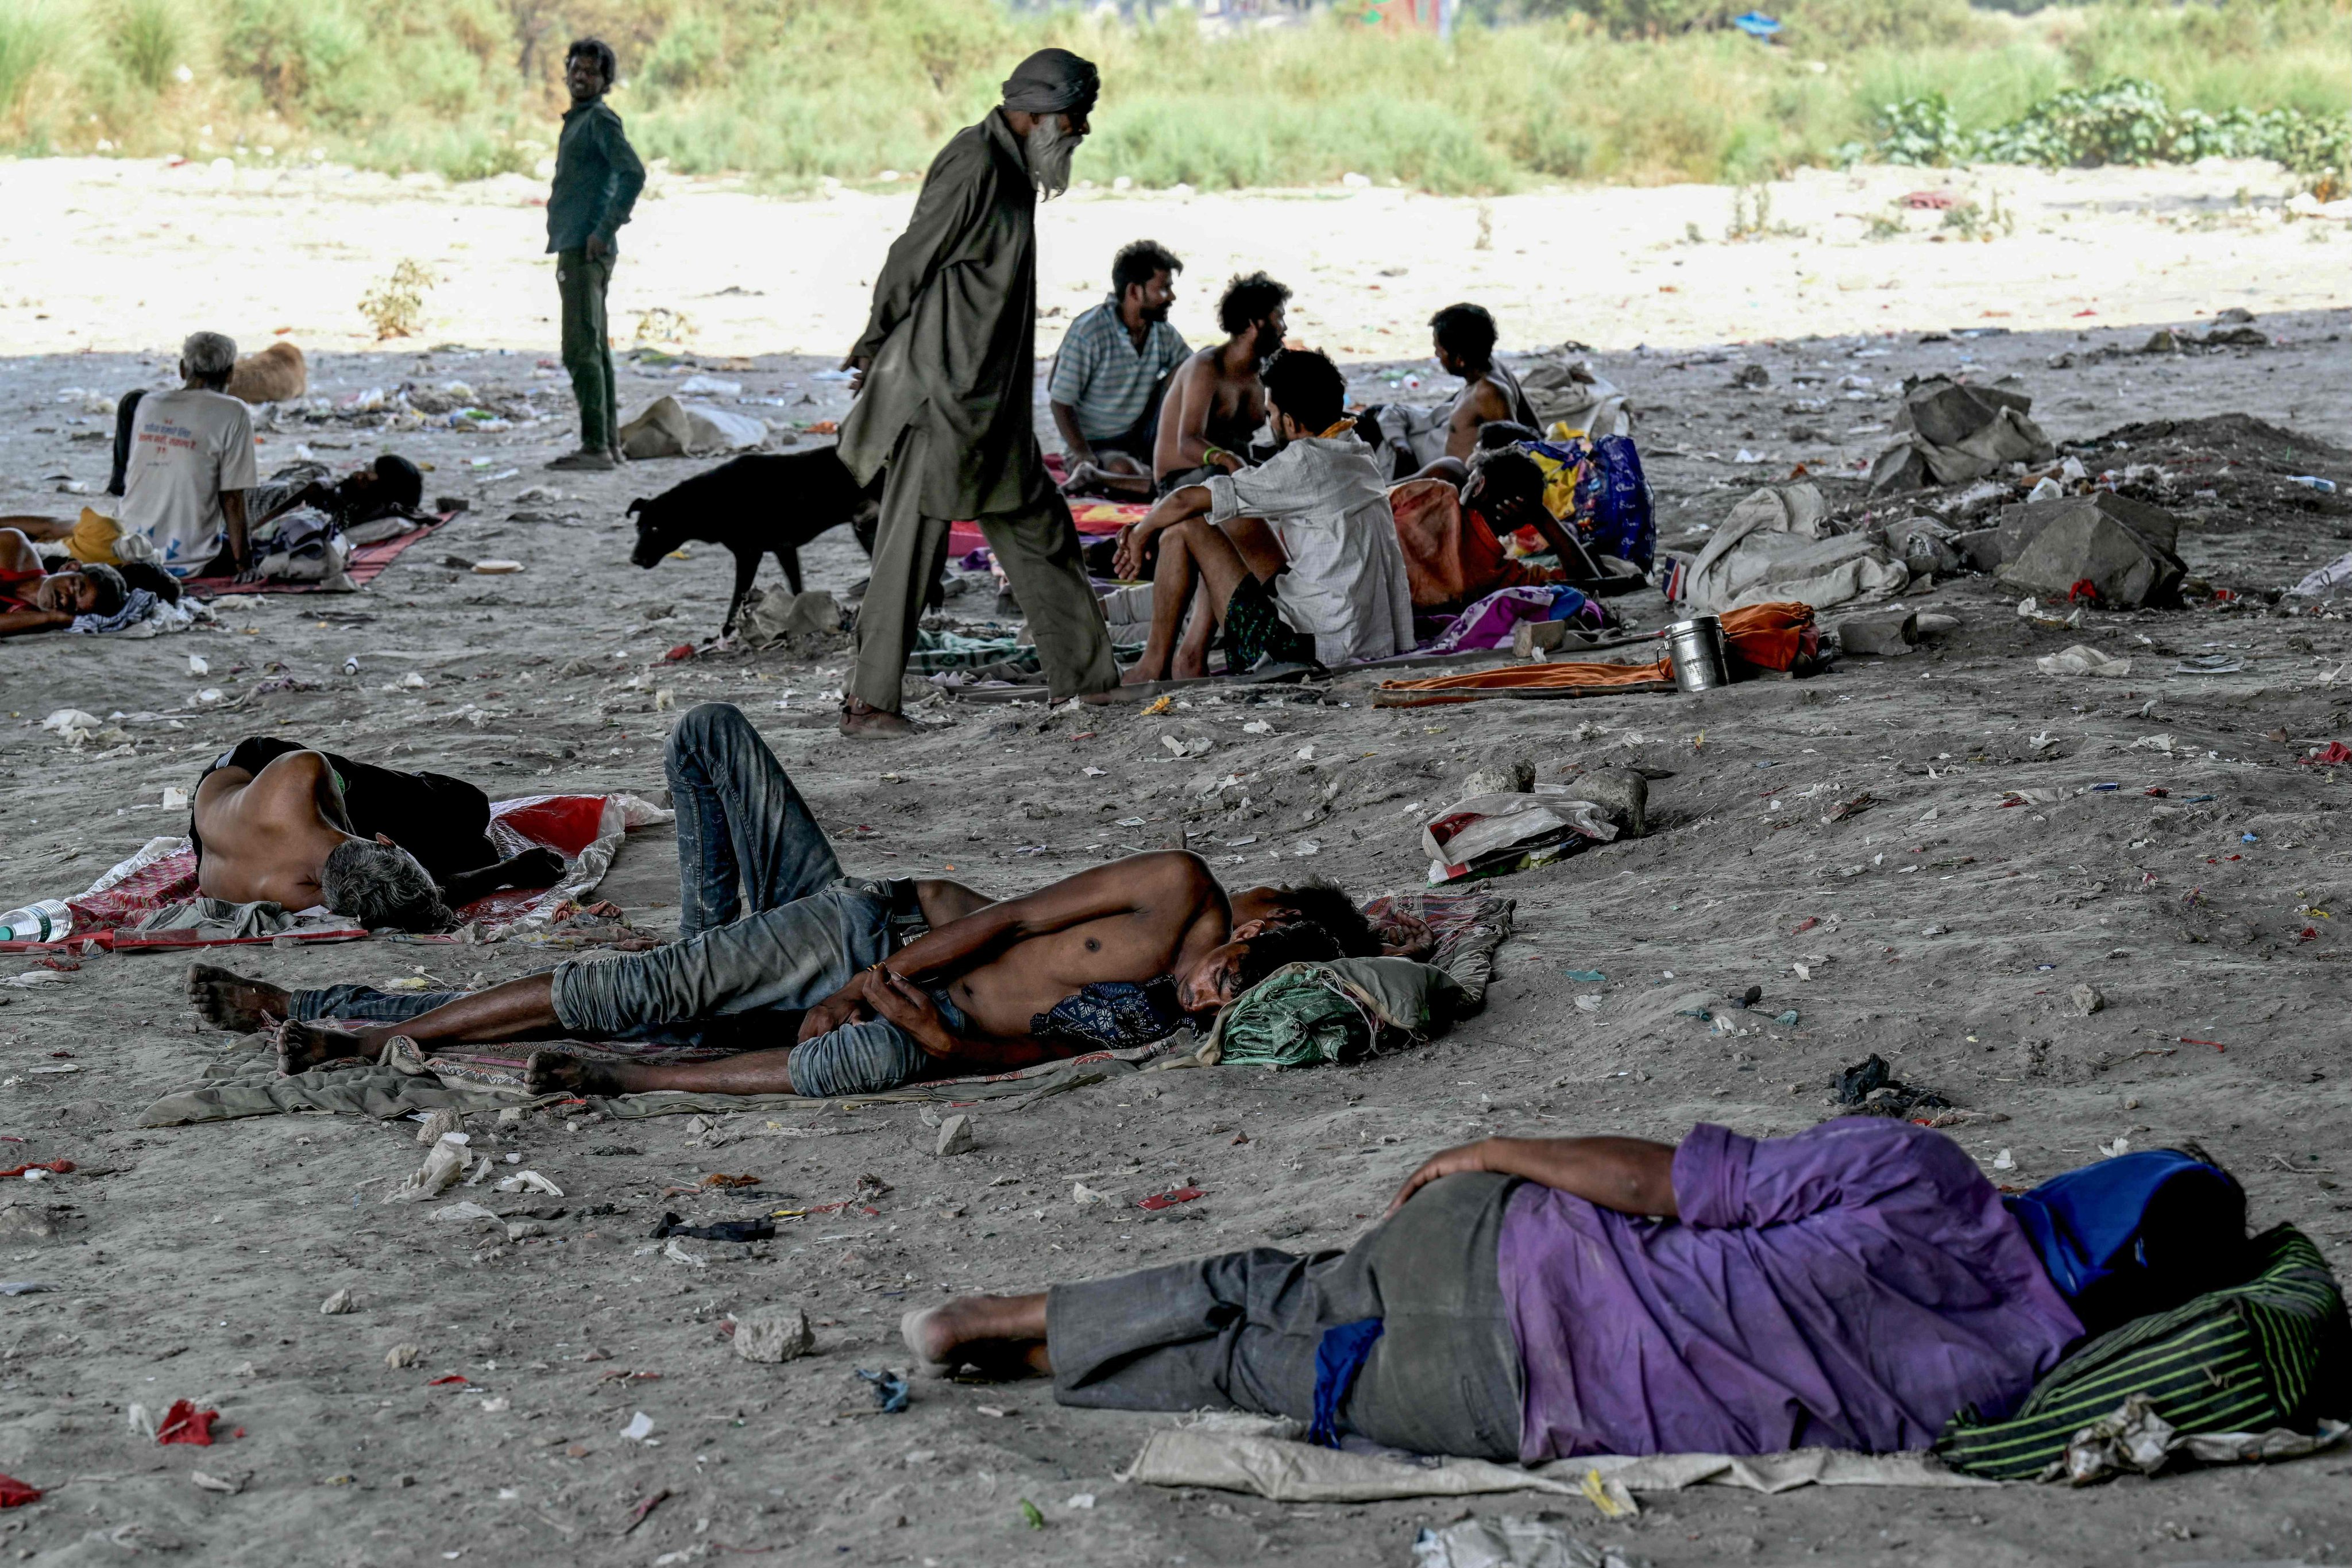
(1048, 154)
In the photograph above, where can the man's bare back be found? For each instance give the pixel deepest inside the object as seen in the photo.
(267, 836)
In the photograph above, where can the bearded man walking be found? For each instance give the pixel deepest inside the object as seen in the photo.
(945, 378)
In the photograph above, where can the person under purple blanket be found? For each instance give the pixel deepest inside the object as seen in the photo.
(1853, 1285)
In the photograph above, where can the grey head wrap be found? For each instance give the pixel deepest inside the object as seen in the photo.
(1053, 81)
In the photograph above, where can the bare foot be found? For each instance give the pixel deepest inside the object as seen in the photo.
(861, 718)
(1140, 672)
(552, 1072)
(228, 1000)
(1004, 1336)
(302, 1046)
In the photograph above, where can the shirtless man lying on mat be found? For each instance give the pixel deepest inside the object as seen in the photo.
(879, 981)
(271, 819)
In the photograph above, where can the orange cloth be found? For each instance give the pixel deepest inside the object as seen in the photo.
(1770, 637)
(1452, 557)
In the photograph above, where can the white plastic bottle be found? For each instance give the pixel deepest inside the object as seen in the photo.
(48, 920)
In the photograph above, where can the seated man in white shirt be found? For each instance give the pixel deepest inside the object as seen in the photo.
(1298, 555)
(191, 462)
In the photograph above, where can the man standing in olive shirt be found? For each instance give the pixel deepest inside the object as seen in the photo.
(597, 178)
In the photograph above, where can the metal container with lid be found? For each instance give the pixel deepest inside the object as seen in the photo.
(1696, 648)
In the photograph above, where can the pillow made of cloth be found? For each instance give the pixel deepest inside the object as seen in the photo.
(2273, 1351)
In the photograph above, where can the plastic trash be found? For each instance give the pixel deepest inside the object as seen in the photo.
(890, 1390)
(1507, 1542)
(46, 921)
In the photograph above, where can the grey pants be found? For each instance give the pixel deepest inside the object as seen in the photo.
(1242, 1329)
(1039, 548)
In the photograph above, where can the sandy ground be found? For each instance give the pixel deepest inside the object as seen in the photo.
(191, 1262)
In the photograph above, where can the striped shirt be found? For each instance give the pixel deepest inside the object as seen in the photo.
(1101, 374)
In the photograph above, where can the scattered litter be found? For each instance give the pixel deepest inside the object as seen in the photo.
(1083, 1195)
(678, 1254)
(1870, 1088)
(740, 1230)
(1029, 1514)
(231, 1485)
(2081, 661)
(24, 1288)
(1584, 976)
(890, 1390)
(183, 1423)
(442, 1168)
(2136, 1439)
(640, 1428)
(529, 1182)
(2210, 664)
(467, 1209)
(2002, 1162)
(1082, 1500)
(1169, 1199)
(1508, 1541)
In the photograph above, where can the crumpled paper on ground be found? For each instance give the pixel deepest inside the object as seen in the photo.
(2136, 1439)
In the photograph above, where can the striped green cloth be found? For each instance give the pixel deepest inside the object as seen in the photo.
(2270, 1352)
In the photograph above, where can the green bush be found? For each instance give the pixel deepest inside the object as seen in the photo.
(32, 36)
(150, 39)
(795, 90)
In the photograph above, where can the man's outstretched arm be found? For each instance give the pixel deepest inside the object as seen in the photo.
(1632, 1175)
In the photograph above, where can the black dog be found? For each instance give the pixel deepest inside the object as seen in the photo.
(765, 501)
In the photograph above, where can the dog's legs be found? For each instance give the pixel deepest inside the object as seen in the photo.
(789, 557)
(747, 567)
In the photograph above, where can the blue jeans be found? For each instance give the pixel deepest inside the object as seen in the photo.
(739, 979)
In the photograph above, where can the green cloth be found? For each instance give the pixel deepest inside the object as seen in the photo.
(1304, 1015)
(588, 346)
(597, 178)
(2275, 1351)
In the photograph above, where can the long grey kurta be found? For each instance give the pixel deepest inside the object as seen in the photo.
(947, 409)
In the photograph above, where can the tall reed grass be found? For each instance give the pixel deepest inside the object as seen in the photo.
(797, 91)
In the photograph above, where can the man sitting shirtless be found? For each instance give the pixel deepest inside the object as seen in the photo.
(1215, 399)
(879, 981)
(273, 820)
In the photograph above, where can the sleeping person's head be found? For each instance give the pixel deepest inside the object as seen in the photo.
(377, 883)
(1224, 973)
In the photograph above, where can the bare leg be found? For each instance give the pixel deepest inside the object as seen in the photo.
(226, 1000)
(1219, 560)
(517, 1010)
(753, 1072)
(1257, 546)
(1172, 588)
(988, 1330)
(1200, 630)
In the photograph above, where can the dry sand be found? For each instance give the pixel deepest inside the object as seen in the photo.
(191, 1262)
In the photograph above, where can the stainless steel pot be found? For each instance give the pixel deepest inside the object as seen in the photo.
(1696, 649)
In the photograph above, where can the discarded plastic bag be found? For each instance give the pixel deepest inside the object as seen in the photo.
(1508, 1541)
(442, 1168)
(2082, 660)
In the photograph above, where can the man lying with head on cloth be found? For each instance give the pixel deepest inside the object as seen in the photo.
(1529, 1299)
(880, 982)
(274, 820)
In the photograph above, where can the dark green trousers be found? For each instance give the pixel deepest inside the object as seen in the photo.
(587, 346)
